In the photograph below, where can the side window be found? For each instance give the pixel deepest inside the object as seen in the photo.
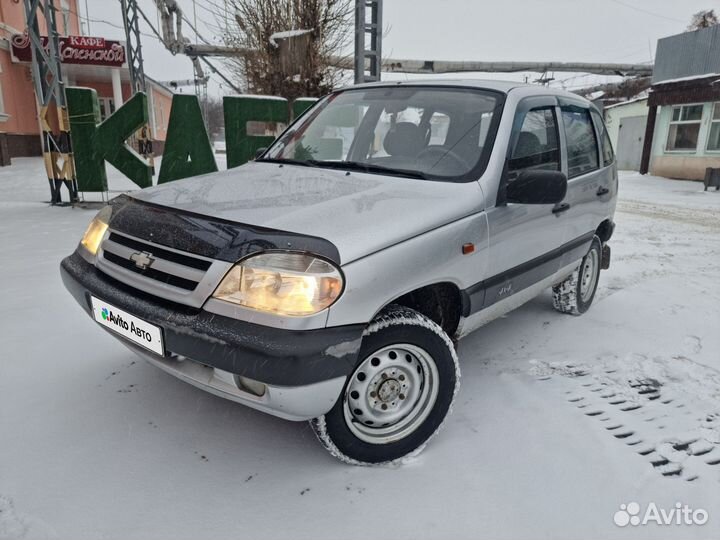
(439, 124)
(537, 144)
(608, 155)
(581, 142)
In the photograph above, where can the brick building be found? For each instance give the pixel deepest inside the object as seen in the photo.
(89, 61)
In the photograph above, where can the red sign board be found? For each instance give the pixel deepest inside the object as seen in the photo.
(95, 51)
(86, 42)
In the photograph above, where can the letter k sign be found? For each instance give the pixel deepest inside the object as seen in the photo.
(94, 142)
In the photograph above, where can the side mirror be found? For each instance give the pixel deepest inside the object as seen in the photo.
(260, 151)
(537, 187)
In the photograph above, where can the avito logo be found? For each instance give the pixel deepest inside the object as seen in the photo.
(117, 320)
(631, 514)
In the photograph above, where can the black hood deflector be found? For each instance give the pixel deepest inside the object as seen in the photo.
(207, 236)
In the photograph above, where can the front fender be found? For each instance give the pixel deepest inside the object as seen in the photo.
(374, 281)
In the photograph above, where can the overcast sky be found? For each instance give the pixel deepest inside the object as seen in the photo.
(521, 30)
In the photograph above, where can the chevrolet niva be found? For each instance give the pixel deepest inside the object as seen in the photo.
(330, 279)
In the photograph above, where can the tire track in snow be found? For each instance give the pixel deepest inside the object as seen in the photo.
(704, 217)
(675, 429)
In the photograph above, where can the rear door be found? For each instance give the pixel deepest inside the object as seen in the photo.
(589, 179)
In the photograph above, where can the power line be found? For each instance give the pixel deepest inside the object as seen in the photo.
(147, 21)
(221, 75)
(100, 21)
(641, 10)
(205, 60)
(192, 27)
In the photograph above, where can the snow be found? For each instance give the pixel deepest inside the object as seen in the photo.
(559, 419)
(262, 96)
(688, 78)
(643, 96)
(287, 34)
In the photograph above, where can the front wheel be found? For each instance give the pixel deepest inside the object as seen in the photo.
(398, 395)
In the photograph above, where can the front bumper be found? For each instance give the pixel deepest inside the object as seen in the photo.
(299, 367)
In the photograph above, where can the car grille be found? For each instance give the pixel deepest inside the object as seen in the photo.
(159, 270)
(172, 268)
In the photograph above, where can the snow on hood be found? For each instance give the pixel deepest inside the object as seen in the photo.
(360, 213)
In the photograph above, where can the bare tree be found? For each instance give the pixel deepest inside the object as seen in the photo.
(213, 109)
(291, 42)
(703, 19)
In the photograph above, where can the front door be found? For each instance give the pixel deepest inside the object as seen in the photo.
(525, 239)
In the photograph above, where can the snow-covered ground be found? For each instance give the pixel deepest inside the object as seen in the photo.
(559, 420)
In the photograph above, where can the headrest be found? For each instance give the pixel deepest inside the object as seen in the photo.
(404, 139)
(528, 145)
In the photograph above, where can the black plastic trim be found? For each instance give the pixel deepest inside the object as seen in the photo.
(271, 355)
(207, 236)
(503, 285)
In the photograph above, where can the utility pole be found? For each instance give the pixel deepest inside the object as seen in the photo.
(131, 23)
(134, 48)
(50, 93)
(368, 32)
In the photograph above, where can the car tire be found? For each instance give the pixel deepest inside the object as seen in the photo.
(397, 396)
(575, 294)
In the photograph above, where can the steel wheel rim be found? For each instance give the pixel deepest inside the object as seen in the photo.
(391, 393)
(588, 275)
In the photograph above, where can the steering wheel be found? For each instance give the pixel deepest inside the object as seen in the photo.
(433, 156)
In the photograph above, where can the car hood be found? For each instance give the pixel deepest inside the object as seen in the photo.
(360, 213)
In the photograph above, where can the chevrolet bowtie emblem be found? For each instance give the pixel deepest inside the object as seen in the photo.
(142, 259)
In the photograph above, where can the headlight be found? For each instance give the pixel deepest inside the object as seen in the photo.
(96, 230)
(294, 284)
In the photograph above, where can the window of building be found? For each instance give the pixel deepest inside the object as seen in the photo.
(582, 147)
(607, 150)
(161, 114)
(3, 115)
(684, 128)
(537, 145)
(65, 11)
(714, 136)
(107, 107)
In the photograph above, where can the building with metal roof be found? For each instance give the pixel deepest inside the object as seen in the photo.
(682, 136)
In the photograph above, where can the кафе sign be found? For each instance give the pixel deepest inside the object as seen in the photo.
(75, 50)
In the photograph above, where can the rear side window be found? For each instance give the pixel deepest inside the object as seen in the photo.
(608, 156)
(537, 144)
(582, 148)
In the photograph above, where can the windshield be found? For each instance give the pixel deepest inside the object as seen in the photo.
(413, 131)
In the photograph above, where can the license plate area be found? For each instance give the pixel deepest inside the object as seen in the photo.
(128, 326)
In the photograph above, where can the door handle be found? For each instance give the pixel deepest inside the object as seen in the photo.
(561, 208)
(602, 191)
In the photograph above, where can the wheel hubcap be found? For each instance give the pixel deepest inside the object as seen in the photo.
(588, 275)
(391, 393)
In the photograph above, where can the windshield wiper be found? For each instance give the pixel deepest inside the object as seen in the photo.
(301, 162)
(368, 168)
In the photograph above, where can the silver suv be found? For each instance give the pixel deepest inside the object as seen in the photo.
(330, 279)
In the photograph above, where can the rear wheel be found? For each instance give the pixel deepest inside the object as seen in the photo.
(399, 393)
(575, 294)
